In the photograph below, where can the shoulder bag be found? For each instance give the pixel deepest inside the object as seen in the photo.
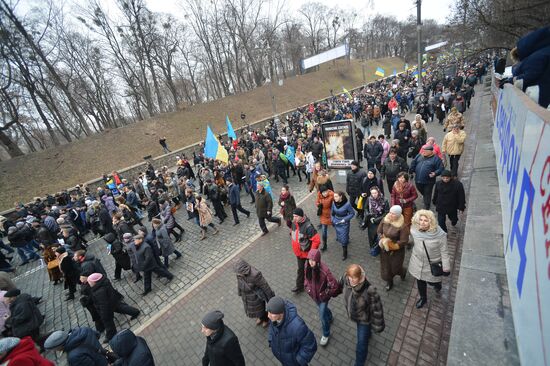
(435, 267)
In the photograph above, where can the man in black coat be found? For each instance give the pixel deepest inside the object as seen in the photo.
(393, 165)
(25, 318)
(107, 301)
(448, 198)
(372, 151)
(147, 264)
(235, 201)
(222, 345)
(70, 269)
(354, 181)
(88, 262)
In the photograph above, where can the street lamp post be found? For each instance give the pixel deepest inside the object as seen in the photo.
(419, 90)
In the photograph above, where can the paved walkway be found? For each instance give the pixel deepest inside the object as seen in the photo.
(411, 337)
(171, 315)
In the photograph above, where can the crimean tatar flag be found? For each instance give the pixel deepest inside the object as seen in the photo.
(379, 72)
(347, 93)
(230, 130)
(213, 149)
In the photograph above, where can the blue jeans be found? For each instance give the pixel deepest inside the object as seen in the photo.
(362, 348)
(6, 247)
(26, 253)
(324, 232)
(326, 317)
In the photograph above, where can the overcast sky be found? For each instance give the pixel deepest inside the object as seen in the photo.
(431, 9)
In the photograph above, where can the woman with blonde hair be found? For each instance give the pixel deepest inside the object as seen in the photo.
(429, 258)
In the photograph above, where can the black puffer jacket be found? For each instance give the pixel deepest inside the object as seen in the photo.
(25, 316)
(131, 350)
(105, 298)
(145, 258)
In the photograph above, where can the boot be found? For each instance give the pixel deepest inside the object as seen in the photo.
(389, 285)
(324, 247)
(344, 253)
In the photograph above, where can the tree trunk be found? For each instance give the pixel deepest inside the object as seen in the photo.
(10, 145)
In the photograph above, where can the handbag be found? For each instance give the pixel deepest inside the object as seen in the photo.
(435, 267)
(360, 203)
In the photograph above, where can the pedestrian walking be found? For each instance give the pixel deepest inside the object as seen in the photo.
(321, 286)
(20, 352)
(354, 181)
(164, 242)
(429, 251)
(81, 345)
(264, 208)
(162, 142)
(393, 236)
(253, 290)
(376, 208)
(325, 198)
(119, 253)
(25, 317)
(70, 270)
(203, 217)
(393, 165)
(131, 350)
(364, 307)
(304, 237)
(108, 301)
(290, 339)
(222, 345)
(234, 195)
(341, 216)
(404, 194)
(147, 264)
(287, 204)
(426, 167)
(449, 198)
(453, 146)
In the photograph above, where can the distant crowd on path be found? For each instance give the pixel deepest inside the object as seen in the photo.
(55, 229)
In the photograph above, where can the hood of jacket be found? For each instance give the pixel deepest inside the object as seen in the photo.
(25, 346)
(315, 254)
(290, 314)
(242, 267)
(123, 343)
(81, 336)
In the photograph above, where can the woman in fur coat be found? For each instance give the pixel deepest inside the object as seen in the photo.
(394, 236)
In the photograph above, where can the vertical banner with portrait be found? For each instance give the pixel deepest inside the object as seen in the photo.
(339, 142)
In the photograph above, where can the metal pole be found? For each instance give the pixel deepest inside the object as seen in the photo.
(420, 90)
(273, 106)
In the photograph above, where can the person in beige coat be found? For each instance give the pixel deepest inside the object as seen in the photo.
(429, 240)
(204, 217)
(453, 146)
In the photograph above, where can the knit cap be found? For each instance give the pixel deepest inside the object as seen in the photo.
(276, 305)
(8, 343)
(94, 277)
(213, 320)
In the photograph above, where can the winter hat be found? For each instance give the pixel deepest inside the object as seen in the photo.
(276, 305)
(127, 236)
(396, 210)
(13, 293)
(8, 343)
(56, 339)
(428, 147)
(11, 230)
(446, 173)
(60, 221)
(61, 250)
(19, 224)
(94, 277)
(298, 212)
(322, 188)
(372, 170)
(213, 320)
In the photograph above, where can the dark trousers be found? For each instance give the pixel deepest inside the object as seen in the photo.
(453, 162)
(166, 260)
(353, 202)
(118, 270)
(218, 209)
(109, 321)
(390, 182)
(161, 271)
(300, 272)
(422, 287)
(263, 226)
(239, 207)
(442, 218)
(426, 191)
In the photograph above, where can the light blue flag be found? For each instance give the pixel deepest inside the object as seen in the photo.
(290, 155)
(394, 71)
(230, 130)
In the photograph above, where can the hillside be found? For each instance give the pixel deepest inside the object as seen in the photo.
(64, 166)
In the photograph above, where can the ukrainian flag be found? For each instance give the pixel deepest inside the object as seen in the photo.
(379, 72)
(213, 149)
(230, 130)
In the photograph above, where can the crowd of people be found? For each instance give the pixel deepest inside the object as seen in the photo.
(55, 229)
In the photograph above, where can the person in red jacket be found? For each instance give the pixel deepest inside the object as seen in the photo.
(21, 352)
(404, 194)
(304, 238)
(321, 285)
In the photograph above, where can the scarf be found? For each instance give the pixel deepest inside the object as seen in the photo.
(285, 196)
(427, 235)
(341, 203)
(376, 205)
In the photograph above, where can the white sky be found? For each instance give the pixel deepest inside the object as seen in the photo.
(431, 9)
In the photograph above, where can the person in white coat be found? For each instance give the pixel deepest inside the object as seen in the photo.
(430, 241)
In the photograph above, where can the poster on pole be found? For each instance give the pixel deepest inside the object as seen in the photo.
(339, 142)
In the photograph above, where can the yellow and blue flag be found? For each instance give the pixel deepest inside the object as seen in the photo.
(415, 72)
(230, 130)
(213, 149)
(347, 93)
(379, 72)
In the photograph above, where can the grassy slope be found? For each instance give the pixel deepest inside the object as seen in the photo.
(64, 166)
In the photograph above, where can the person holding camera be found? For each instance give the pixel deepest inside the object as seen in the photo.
(429, 259)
